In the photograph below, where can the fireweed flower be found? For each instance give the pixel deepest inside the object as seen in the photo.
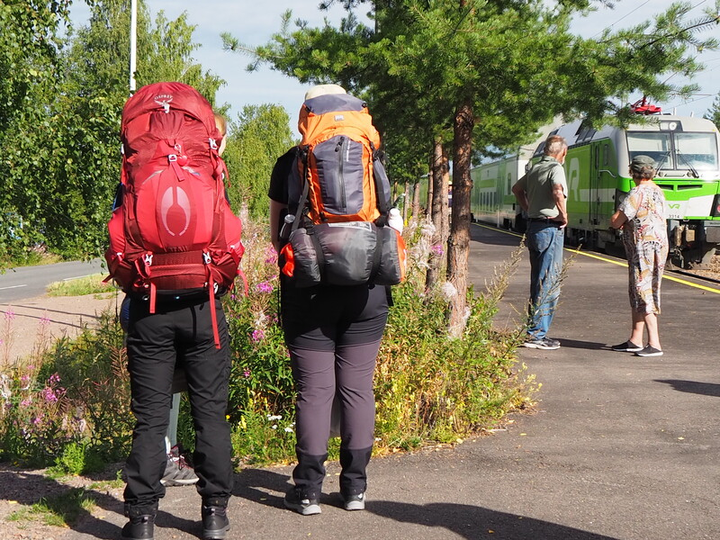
(49, 395)
(246, 374)
(257, 335)
(9, 315)
(270, 255)
(264, 287)
(437, 249)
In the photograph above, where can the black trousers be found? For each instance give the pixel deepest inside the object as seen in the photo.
(179, 331)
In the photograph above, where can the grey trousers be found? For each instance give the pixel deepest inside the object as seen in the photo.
(320, 376)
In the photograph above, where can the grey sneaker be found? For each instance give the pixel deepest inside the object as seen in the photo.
(354, 502)
(649, 351)
(301, 504)
(545, 343)
(177, 470)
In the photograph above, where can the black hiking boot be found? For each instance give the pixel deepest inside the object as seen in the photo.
(214, 519)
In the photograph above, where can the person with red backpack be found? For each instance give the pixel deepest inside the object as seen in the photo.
(328, 212)
(175, 250)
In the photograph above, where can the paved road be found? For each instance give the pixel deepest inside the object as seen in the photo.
(620, 447)
(30, 281)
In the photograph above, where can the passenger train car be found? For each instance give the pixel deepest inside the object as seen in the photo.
(686, 151)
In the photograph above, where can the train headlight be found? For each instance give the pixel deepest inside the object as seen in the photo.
(670, 126)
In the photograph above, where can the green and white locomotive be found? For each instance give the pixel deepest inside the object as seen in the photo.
(686, 151)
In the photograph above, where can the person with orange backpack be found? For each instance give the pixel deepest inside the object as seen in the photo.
(175, 250)
(329, 207)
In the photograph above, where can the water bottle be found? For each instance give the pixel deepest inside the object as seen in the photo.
(287, 226)
(395, 220)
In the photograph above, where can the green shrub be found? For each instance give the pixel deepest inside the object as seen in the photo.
(81, 286)
(78, 458)
(429, 387)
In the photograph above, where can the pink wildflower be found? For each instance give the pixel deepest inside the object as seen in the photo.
(258, 335)
(437, 249)
(49, 395)
(270, 255)
(264, 287)
(246, 373)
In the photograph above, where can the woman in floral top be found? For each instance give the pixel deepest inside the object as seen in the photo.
(642, 217)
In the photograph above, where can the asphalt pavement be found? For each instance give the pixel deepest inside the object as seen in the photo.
(31, 281)
(620, 447)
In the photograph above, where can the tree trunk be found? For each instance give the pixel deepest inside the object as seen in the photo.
(459, 242)
(437, 215)
(429, 201)
(416, 200)
(445, 207)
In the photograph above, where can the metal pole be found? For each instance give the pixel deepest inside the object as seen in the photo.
(133, 43)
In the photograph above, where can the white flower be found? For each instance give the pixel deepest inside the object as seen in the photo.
(448, 291)
(273, 417)
(288, 429)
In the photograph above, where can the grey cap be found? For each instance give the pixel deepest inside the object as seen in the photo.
(641, 162)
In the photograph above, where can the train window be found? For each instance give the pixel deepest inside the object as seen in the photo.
(656, 145)
(606, 154)
(509, 183)
(696, 150)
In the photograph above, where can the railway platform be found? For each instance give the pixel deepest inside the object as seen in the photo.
(619, 447)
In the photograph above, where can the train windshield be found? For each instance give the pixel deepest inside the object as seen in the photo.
(696, 150)
(676, 150)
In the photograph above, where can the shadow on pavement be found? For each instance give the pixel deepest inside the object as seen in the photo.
(479, 233)
(473, 522)
(693, 387)
(28, 488)
(261, 487)
(575, 344)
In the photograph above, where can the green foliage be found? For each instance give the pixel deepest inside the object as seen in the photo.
(261, 381)
(78, 287)
(59, 134)
(36, 418)
(58, 511)
(263, 439)
(256, 139)
(78, 458)
(429, 387)
(714, 113)
(94, 369)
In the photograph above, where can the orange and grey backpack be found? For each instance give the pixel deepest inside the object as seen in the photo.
(339, 199)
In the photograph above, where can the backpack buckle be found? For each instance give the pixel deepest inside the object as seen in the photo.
(207, 258)
(172, 157)
(147, 259)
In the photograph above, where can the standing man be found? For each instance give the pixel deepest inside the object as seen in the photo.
(542, 193)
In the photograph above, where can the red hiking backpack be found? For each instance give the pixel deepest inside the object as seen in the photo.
(173, 232)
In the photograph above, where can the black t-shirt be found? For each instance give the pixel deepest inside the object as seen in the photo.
(281, 173)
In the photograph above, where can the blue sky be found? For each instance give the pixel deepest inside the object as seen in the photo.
(254, 23)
